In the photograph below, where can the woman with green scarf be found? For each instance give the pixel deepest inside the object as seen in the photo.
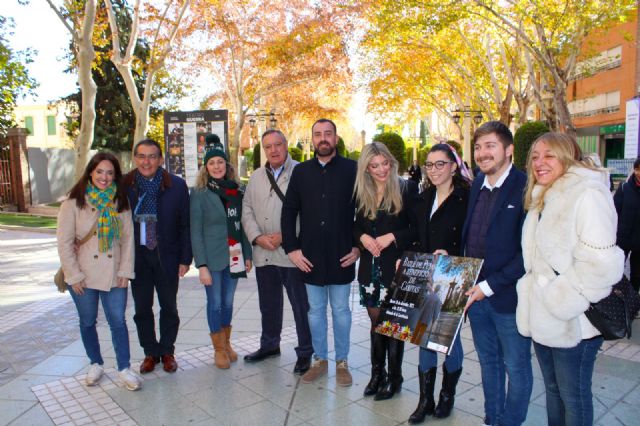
(220, 248)
(95, 245)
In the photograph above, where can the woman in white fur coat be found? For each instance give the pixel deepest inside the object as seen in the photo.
(571, 260)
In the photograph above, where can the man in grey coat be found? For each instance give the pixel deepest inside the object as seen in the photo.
(261, 210)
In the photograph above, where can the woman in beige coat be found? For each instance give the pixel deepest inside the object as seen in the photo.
(100, 267)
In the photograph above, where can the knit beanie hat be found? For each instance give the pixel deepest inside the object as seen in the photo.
(213, 148)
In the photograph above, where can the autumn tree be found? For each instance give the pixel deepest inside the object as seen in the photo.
(163, 29)
(552, 34)
(260, 53)
(79, 20)
(480, 53)
(115, 117)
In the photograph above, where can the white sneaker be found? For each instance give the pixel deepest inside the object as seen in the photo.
(94, 374)
(130, 379)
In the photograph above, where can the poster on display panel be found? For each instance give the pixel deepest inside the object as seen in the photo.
(632, 129)
(185, 133)
(426, 300)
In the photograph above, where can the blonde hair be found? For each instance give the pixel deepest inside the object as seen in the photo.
(568, 153)
(203, 175)
(365, 189)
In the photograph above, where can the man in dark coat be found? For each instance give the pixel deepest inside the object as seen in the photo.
(160, 204)
(492, 231)
(320, 194)
(415, 174)
(627, 201)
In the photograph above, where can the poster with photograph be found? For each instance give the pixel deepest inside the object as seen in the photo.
(185, 135)
(427, 299)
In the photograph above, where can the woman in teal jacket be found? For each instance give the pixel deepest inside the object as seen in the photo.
(220, 248)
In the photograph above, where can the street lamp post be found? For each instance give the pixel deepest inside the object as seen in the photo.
(416, 139)
(465, 113)
(258, 121)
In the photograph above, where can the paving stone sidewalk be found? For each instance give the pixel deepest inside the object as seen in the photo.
(42, 365)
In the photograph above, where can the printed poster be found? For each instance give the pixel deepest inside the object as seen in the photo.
(185, 134)
(427, 299)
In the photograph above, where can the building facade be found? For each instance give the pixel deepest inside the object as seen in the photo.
(600, 88)
(45, 124)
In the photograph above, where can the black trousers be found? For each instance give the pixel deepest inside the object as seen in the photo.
(271, 279)
(634, 266)
(150, 275)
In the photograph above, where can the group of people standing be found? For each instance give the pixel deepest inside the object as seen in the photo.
(548, 241)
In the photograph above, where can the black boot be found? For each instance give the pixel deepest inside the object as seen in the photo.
(447, 393)
(394, 380)
(378, 355)
(427, 405)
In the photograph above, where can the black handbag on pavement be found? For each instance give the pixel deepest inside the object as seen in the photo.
(613, 315)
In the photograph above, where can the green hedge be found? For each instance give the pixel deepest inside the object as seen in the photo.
(341, 147)
(256, 156)
(523, 139)
(295, 153)
(394, 142)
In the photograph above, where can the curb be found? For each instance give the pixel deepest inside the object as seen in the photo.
(28, 229)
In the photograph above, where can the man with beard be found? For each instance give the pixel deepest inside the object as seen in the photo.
(492, 232)
(320, 194)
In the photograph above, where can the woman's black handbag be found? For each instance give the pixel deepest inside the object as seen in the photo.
(612, 316)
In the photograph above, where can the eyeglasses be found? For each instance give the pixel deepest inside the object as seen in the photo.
(151, 157)
(439, 164)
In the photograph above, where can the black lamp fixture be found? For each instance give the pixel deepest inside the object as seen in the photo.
(458, 113)
(263, 116)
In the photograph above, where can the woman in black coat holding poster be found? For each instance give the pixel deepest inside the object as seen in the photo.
(382, 229)
(438, 216)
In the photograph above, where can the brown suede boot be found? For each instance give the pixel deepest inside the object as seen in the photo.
(233, 356)
(220, 357)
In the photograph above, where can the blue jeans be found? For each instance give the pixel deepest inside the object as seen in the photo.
(220, 299)
(114, 303)
(567, 376)
(452, 362)
(338, 297)
(502, 351)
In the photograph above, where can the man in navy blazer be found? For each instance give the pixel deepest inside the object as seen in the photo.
(160, 205)
(492, 231)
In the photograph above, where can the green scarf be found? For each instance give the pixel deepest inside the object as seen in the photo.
(108, 221)
(231, 197)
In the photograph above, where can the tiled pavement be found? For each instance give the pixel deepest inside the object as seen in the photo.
(42, 365)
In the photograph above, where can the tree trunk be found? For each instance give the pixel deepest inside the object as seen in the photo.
(88, 88)
(234, 146)
(505, 107)
(565, 123)
(142, 122)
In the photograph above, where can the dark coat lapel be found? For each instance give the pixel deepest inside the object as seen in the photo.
(503, 195)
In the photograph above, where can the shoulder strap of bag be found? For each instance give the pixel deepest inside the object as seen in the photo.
(273, 183)
(88, 236)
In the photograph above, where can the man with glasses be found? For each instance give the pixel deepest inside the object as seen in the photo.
(160, 204)
(261, 210)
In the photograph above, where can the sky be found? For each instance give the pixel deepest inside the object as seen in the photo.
(38, 27)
